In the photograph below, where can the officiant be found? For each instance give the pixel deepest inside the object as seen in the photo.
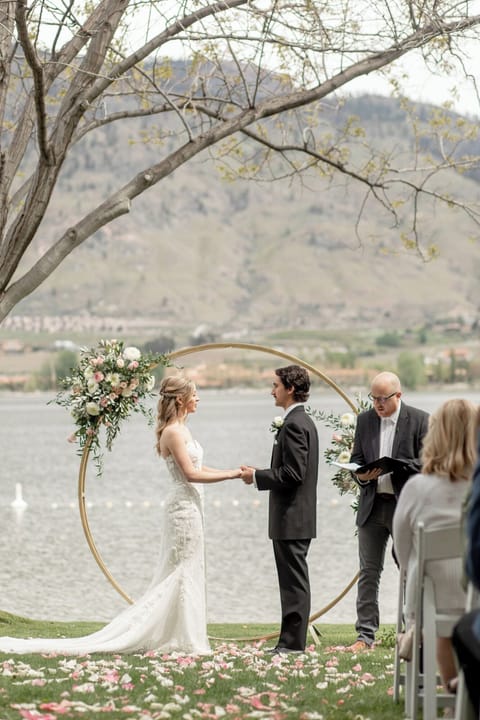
(391, 428)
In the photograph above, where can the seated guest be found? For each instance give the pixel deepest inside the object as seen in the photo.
(435, 497)
(466, 635)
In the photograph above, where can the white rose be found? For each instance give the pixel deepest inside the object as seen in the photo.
(113, 378)
(92, 408)
(347, 419)
(344, 457)
(89, 372)
(92, 386)
(277, 423)
(132, 353)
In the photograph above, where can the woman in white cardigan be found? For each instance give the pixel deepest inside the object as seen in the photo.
(435, 497)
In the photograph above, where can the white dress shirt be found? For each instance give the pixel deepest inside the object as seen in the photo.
(387, 433)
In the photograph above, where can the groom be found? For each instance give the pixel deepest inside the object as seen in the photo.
(292, 482)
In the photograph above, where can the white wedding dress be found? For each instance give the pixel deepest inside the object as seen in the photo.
(171, 615)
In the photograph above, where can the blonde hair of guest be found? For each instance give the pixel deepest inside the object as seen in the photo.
(450, 445)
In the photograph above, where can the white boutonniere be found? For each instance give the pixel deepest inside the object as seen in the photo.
(277, 423)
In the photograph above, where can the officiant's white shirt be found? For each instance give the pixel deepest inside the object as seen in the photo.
(387, 433)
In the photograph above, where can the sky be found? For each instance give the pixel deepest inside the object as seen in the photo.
(419, 84)
(423, 86)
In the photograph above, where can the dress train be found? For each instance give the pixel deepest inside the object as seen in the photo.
(171, 615)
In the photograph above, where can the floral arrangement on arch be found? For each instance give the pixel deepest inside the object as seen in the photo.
(341, 445)
(110, 382)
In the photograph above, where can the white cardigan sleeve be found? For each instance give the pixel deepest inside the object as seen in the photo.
(405, 519)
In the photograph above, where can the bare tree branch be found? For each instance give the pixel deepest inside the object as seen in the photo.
(38, 80)
(245, 64)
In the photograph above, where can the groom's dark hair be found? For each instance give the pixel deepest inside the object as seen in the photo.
(296, 377)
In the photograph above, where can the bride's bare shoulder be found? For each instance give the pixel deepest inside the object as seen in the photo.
(171, 428)
(173, 435)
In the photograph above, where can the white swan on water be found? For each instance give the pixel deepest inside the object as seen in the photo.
(19, 503)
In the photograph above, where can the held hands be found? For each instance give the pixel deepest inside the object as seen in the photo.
(247, 474)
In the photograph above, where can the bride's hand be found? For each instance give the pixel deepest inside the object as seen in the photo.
(236, 473)
(247, 474)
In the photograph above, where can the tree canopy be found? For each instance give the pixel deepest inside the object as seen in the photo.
(255, 80)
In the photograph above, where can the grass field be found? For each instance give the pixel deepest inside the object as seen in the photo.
(238, 680)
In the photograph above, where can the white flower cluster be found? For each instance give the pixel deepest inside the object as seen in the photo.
(110, 382)
(341, 445)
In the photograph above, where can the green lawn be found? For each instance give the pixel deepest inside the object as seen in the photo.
(239, 680)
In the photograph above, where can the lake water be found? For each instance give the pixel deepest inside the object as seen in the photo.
(47, 570)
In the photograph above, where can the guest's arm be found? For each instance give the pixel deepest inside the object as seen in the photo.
(404, 523)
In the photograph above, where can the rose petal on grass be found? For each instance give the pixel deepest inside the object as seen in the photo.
(60, 708)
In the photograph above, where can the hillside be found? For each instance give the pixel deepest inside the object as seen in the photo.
(197, 249)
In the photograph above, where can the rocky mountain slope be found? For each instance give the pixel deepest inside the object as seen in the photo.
(238, 255)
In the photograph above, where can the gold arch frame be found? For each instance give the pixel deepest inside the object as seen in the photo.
(173, 356)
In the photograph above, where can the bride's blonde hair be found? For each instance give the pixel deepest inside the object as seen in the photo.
(175, 392)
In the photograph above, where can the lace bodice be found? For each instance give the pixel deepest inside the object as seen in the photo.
(180, 482)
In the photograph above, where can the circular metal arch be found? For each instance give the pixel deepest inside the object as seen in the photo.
(174, 355)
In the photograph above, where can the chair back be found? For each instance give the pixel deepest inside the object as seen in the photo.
(441, 543)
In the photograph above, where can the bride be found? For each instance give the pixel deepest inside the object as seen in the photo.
(171, 615)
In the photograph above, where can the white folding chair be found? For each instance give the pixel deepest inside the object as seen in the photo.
(463, 707)
(398, 675)
(402, 671)
(432, 544)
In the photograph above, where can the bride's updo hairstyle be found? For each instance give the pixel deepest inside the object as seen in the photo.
(175, 392)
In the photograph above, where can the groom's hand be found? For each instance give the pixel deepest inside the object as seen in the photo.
(247, 474)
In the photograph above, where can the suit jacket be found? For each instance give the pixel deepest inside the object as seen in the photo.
(292, 479)
(407, 442)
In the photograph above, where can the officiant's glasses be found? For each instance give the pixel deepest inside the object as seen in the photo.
(380, 398)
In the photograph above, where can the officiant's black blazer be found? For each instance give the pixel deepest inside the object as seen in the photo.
(410, 430)
(292, 479)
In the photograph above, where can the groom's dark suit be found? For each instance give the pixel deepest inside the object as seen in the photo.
(292, 482)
